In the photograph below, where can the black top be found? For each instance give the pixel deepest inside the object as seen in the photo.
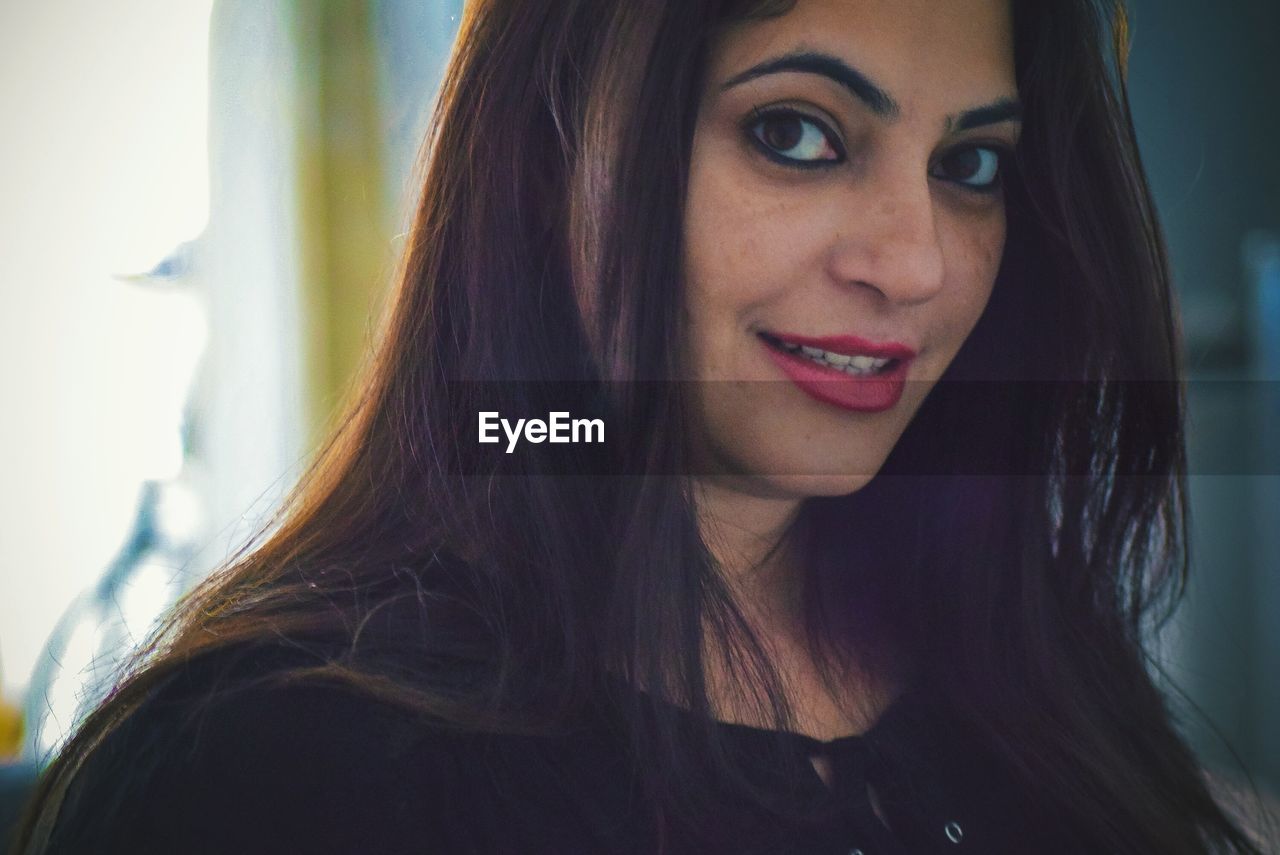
(315, 768)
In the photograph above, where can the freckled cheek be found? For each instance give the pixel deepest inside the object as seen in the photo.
(743, 254)
(741, 230)
(977, 251)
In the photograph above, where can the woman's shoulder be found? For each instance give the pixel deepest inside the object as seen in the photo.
(230, 754)
(246, 750)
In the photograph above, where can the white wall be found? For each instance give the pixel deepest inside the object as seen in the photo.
(120, 142)
(102, 161)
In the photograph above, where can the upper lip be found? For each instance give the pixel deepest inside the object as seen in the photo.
(849, 345)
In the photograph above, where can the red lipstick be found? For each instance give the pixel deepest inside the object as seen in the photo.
(822, 376)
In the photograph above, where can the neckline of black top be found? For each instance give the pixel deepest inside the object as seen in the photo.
(908, 705)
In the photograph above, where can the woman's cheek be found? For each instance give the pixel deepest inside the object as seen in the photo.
(978, 246)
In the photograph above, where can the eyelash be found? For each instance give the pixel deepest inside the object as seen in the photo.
(759, 116)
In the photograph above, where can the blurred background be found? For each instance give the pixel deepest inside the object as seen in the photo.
(203, 203)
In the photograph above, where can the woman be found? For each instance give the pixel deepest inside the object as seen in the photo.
(856, 290)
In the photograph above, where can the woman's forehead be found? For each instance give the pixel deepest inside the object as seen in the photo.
(917, 51)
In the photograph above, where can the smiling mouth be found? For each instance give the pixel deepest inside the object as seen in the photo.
(856, 366)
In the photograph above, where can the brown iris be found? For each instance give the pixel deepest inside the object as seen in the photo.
(782, 132)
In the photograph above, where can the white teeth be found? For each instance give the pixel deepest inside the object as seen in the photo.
(855, 365)
(866, 363)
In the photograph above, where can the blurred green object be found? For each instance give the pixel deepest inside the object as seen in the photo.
(10, 729)
(345, 235)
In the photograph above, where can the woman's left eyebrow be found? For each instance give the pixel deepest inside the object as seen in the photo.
(1004, 110)
(875, 97)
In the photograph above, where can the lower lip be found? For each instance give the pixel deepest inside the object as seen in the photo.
(871, 394)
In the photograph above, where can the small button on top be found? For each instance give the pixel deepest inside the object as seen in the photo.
(855, 852)
(953, 831)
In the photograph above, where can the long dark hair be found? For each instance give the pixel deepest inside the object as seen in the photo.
(1046, 536)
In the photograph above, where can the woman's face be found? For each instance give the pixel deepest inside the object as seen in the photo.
(844, 197)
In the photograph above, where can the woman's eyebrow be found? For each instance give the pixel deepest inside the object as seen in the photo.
(876, 98)
(826, 65)
(1004, 110)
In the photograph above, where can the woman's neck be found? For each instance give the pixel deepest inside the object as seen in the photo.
(753, 542)
(759, 545)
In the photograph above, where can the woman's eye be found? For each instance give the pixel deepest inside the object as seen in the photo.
(794, 139)
(975, 167)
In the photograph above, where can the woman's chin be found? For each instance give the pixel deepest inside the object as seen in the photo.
(803, 486)
(830, 485)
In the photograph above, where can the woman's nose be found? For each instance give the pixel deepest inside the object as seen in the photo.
(888, 239)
